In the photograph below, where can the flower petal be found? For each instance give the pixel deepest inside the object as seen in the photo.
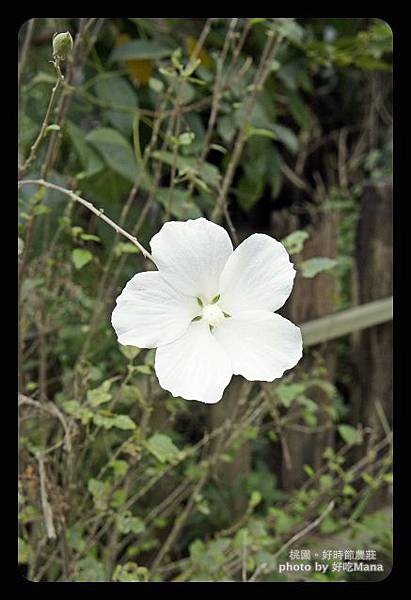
(191, 255)
(257, 276)
(195, 366)
(261, 345)
(149, 312)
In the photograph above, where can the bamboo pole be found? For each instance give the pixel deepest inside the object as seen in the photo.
(347, 321)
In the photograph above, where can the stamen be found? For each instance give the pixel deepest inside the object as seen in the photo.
(213, 314)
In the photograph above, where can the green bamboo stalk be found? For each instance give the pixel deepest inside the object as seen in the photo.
(347, 321)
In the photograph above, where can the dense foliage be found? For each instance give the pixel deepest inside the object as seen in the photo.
(247, 122)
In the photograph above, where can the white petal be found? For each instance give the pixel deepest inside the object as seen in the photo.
(191, 255)
(195, 366)
(257, 276)
(260, 344)
(150, 312)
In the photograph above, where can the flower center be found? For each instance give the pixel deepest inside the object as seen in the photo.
(213, 314)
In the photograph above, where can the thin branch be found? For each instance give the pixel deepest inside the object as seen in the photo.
(261, 75)
(296, 180)
(25, 48)
(47, 511)
(98, 212)
(300, 534)
(51, 409)
(33, 150)
(257, 572)
(74, 59)
(303, 532)
(181, 519)
(201, 40)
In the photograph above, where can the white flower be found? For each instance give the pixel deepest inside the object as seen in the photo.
(209, 310)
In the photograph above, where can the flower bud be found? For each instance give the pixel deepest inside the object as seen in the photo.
(62, 45)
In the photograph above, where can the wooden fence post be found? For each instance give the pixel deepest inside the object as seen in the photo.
(229, 408)
(310, 299)
(372, 348)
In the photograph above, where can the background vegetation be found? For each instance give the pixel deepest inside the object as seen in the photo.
(280, 126)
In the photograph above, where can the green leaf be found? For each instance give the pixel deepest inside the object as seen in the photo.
(218, 148)
(249, 192)
(144, 369)
(287, 137)
(89, 569)
(131, 394)
(181, 206)
(20, 247)
(130, 572)
(325, 386)
(89, 159)
(275, 174)
(24, 551)
(176, 58)
(348, 490)
(310, 405)
(282, 521)
(81, 257)
(162, 447)
(369, 480)
(226, 128)
(183, 89)
(120, 467)
(156, 85)
(100, 395)
(371, 64)
(53, 127)
(41, 210)
(186, 138)
(118, 498)
(288, 392)
(208, 172)
(108, 421)
(42, 77)
(116, 151)
(298, 109)
(310, 419)
(388, 478)
(257, 20)
(74, 408)
(258, 131)
(350, 435)
(100, 491)
(124, 422)
(136, 140)
(311, 267)
(326, 481)
(256, 165)
(126, 523)
(129, 352)
(141, 50)
(75, 537)
(118, 92)
(290, 29)
(255, 499)
(197, 551)
(329, 525)
(89, 237)
(294, 243)
(125, 248)
(309, 470)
